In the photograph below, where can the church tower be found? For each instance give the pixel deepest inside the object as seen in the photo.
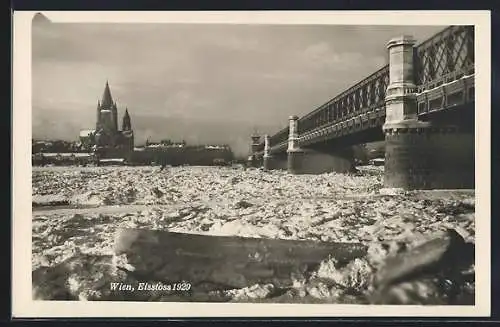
(108, 113)
(127, 132)
(107, 135)
(126, 124)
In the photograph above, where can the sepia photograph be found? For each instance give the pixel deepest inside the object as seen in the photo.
(291, 162)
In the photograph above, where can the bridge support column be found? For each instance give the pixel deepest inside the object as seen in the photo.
(420, 155)
(276, 161)
(295, 153)
(405, 160)
(295, 161)
(268, 158)
(253, 160)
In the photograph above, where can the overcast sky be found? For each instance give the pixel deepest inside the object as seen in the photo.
(202, 83)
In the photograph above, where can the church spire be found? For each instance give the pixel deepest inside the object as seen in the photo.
(107, 100)
(126, 124)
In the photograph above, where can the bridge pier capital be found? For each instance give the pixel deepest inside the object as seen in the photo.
(401, 104)
(293, 134)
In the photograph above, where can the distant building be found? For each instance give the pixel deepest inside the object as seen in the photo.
(87, 137)
(106, 134)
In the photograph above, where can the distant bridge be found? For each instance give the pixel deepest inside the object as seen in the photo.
(421, 103)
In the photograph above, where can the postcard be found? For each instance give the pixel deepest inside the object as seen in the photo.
(251, 164)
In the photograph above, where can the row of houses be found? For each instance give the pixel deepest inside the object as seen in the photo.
(149, 155)
(73, 159)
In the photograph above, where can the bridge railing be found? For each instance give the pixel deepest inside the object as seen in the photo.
(279, 138)
(444, 57)
(365, 96)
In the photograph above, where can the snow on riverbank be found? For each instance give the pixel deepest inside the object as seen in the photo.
(227, 201)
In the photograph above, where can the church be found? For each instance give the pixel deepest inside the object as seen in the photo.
(106, 135)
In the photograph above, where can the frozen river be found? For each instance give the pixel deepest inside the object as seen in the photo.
(90, 203)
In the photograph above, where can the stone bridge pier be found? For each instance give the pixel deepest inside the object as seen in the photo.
(421, 154)
(275, 160)
(253, 160)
